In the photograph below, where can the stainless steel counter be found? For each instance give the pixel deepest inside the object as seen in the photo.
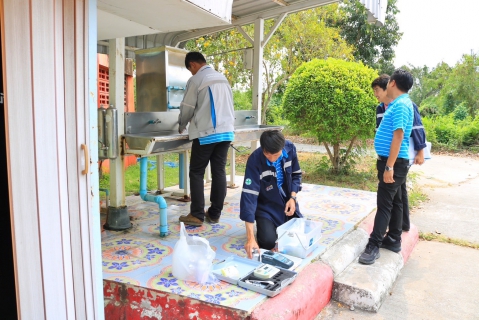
(165, 141)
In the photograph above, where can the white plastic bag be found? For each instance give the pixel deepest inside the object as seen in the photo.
(193, 258)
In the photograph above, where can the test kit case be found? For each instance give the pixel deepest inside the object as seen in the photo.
(246, 268)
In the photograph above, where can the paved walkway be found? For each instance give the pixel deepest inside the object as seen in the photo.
(440, 280)
(452, 185)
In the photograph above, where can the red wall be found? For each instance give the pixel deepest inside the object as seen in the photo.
(103, 99)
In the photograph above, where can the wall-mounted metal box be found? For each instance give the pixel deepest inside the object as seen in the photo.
(161, 78)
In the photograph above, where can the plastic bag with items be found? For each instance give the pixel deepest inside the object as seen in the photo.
(193, 258)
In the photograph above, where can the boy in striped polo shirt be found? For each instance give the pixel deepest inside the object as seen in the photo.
(418, 137)
(392, 144)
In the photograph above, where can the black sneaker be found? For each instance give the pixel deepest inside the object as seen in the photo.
(391, 244)
(370, 254)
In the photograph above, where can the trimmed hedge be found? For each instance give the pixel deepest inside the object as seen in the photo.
(332, 99)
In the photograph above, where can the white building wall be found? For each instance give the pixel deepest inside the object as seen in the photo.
(54, 215)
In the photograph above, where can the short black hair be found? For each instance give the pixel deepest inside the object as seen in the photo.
(403, 78)
(381, 82)
(194, 56)
(272, 141)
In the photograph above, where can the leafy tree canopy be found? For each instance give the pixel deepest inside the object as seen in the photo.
(332, 100)
(373, 44)
(301, 37)
(444, 88)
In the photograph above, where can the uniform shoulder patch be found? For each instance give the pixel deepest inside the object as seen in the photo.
(248, 181)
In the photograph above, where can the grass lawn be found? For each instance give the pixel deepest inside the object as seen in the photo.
(132, 175)
(363, 177)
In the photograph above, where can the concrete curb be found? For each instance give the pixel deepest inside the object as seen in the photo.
(365, 287)
(344, 252)
(368, 223)
(408, 242)
(303, 299)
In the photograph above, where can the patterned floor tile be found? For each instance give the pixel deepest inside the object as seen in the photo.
(139, 256)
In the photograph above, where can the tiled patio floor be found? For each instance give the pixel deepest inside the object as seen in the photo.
(139, 256)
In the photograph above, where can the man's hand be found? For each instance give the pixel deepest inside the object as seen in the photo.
(388, 177)
(419, 158)
(249, 246)
(290, 207)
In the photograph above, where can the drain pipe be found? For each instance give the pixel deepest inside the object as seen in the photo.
(151, 198)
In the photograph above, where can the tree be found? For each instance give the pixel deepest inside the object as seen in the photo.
(445, 87)
(464, 83)
(428, 83)
(224, 50)
(374, 45)
(332, 100)
(301, 37)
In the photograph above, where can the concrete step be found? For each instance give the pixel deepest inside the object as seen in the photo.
(345, 251)
(366, 286)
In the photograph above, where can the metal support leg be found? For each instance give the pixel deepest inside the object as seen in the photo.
(184, 160)
(254, 145)
(186, 178)
(160, 174)
(232, 183)
(181, 173)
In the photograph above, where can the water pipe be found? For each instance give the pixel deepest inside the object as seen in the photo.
(151, 198)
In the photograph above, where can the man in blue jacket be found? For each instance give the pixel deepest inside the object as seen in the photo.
(207, 107)
(418, 136)
(271, 183)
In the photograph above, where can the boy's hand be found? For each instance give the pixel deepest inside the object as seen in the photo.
(290, 207)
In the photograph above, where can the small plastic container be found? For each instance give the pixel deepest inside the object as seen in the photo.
(298, 237)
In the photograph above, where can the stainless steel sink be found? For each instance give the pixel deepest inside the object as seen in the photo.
(150, 133)
(156, 142)
(164, 141)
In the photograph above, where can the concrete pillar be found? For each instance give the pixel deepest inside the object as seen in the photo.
(258, 66)
(118, 218)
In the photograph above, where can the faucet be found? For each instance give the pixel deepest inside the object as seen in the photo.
(250, 117)
(154, 121)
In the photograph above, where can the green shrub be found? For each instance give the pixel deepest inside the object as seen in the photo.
(450, 133)
(333, 101)
(460, 112)
(429, 128)
(428, 109)
(446, 131)
(470, 133)
(242, 100)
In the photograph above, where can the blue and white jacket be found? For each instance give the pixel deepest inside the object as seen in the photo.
(418, 134)
(206, 89)
(260, 196)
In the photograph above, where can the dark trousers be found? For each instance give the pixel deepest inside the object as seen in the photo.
(389, 202)
(406, 224)
(266, 233)
(216, 154)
